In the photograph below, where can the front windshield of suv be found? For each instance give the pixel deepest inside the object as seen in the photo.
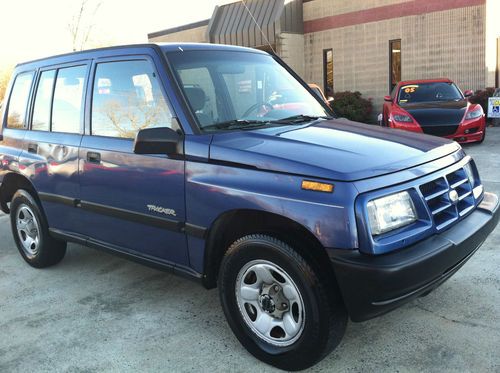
(429, 92)
(234, 90)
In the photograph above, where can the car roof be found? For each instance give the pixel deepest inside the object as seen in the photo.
(102, 52)
(417, 81)
(174, 47)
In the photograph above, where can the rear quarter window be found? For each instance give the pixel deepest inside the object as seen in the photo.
(18, 101)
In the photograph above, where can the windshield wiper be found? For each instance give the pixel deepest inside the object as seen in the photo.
(294, 119)
(237, 124)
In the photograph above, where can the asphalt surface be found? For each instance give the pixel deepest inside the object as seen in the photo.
(96, 312)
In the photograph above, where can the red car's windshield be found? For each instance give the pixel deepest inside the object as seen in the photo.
(429, 92)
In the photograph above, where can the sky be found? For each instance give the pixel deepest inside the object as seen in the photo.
(39, 28)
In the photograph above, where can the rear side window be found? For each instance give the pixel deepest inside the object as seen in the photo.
(68, 99)
(18, 102)
(127, 98)
(43, 100)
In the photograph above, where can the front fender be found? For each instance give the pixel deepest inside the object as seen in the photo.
(212, 190)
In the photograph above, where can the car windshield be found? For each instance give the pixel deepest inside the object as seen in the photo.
(429, 92)
(233, 90)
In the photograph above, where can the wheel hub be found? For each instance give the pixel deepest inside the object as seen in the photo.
(273, 301)
(267, 303)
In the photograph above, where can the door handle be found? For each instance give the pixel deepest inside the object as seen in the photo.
(32, 148)
(94, 157)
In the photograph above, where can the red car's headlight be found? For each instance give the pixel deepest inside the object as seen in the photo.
(475, 113)
(402, 118)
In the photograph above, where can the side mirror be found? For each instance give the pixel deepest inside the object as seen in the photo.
(468, 93)
(161, 140)
(387, 98)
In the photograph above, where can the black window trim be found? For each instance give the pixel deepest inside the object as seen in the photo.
(28, 102)
(90, 89)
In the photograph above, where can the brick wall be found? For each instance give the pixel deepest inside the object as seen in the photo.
(291, 50)
(448, 43)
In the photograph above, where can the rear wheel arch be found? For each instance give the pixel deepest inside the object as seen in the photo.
(236, 224)
(11, 183)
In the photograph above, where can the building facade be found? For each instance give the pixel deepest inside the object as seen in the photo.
(366, 46)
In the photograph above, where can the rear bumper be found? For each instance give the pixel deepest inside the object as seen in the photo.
(374, 285)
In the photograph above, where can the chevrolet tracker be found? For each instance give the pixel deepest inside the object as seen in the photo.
(221, 164)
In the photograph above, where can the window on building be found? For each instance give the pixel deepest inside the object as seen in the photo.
(498, 64)
(68, 99)
(18, 102)
(43, 101)
(127, 98)
(328, 72)
(394, 63)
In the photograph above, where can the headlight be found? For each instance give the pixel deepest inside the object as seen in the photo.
(470, 174)
(402, 118)
(475, 182)
(476, 113)
(391, 212)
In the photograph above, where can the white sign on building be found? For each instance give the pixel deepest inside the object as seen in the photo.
(494, 107)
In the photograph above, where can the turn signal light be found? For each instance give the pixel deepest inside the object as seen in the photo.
(317, 187)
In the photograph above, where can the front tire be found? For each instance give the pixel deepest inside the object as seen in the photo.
(31, 232)
(276, 304)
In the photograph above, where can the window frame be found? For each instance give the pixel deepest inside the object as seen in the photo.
(391, 42)
(90, 90)
(325, 72)
(27, 113)
(57, 67)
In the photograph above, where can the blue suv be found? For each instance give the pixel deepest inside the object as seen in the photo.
(219, 163)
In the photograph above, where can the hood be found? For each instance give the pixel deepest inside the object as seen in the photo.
(335, 149)
(437, 113)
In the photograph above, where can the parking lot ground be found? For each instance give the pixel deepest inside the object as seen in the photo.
(97, 312)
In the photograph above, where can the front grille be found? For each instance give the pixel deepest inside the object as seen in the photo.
(437, 196)
(440, 130)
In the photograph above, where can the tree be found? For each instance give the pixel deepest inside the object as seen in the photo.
(81, 25)
(5, 74)
(126, 115)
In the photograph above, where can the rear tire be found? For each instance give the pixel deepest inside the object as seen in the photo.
(276, 304)
(31, 232)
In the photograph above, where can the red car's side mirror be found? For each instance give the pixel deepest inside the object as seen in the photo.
(468, 93)
(387, 98)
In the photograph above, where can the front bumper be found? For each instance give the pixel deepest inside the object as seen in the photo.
(470, 131)
(374, 285)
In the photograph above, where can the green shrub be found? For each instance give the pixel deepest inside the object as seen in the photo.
(352, 106)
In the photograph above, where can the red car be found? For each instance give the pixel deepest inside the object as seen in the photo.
(435, 107)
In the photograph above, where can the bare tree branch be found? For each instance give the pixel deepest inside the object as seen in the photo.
(81, 25)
